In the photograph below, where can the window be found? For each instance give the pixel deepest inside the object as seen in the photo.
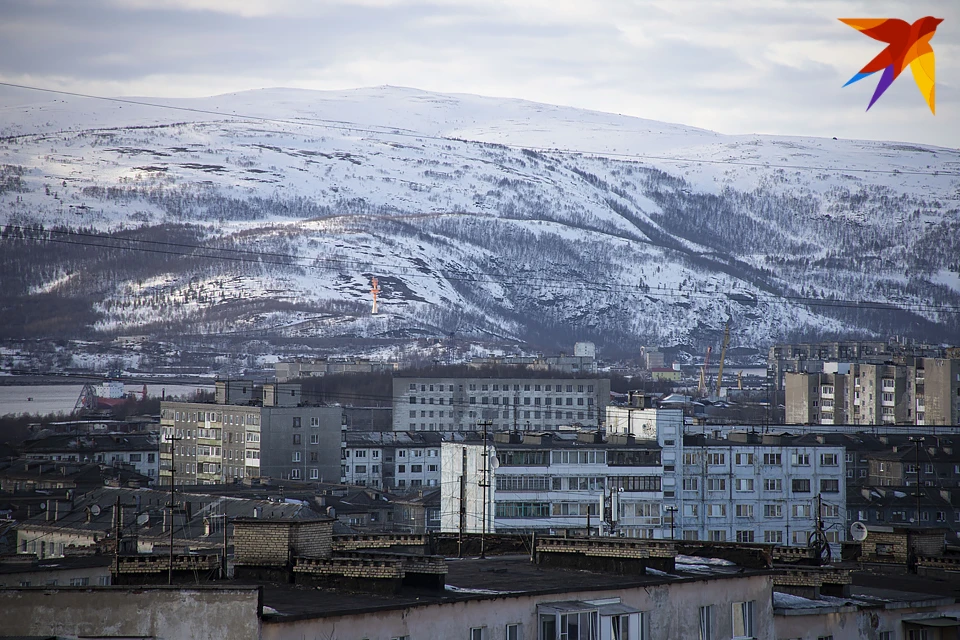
(716, 510)
(476, 633)
(691, 484)
(801, 485)
(314, 438)
(829, 486)
(744, 484)
(800, 459)
(296, 456)
(829, 459)
(744, 458)
(706, 623)
(801, 511)
(716, 458)
(513, 632)
(296, 422)
(773, 484)
(773, 459)
(772, 511)
(744, 510)
(296, 438)
(716, 484)
(773, 537)
(314, 474)
(745, 535)
(743, 619)
(79, 582)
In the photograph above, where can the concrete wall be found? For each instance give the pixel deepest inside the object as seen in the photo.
(32, 577)
(848, 623)
(158, 612)
(673, 608)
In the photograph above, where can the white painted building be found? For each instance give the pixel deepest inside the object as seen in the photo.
(391, 460)
(553, 482)
(753, 488)
(725, 485)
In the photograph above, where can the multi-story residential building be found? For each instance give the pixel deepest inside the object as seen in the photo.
(225, 442)
(815, 398)
(393, 461)
(760, 488)
(507, 403)
(138, 450)
(308, 367)
(554, 481)
(816, 358)
(865, 394)
(935, 389)
(745, 487)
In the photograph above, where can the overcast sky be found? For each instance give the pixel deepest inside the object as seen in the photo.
(751, 66)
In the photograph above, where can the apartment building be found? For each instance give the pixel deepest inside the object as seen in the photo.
(552, 482)
(315, 367)
(138, 450)
(514, 403)
(392, 461)
(818, 357)
(866, 394)
(226, 442)
(743, 488)
(749, 487)
(935, 391)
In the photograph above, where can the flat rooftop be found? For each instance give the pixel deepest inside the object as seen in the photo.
(475, 579)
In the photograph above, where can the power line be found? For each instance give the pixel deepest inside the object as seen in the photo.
(561, 284)
(386, 130)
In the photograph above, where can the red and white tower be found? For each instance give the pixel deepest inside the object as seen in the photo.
(375, 290)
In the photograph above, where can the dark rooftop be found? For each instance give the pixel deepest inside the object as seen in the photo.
(472, 579)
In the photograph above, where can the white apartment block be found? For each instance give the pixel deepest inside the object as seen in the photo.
(518, 403)
(654, 483)
(753, 488)
(552, 482)
(392, 461)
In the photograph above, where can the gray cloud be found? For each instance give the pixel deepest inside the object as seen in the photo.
(736, 67)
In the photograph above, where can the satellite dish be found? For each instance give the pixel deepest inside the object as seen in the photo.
(495, 463)
(143, 519)
(858, 531)
(95, 510)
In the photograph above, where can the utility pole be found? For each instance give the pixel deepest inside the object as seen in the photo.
(918, 440)
(463, 503)
(118, 528)
(173, 472)
(484, 484)
(223, 568)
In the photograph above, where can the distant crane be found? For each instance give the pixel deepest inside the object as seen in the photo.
(723, 355)
(702, 388)
(375, 291)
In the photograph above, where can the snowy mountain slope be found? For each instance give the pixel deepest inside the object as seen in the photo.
(467, 236)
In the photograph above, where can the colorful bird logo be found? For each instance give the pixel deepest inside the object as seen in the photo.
(907, 44)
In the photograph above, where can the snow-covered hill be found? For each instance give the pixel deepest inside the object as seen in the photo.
(483, 217)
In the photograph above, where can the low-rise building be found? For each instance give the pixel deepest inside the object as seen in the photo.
(140, 451)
